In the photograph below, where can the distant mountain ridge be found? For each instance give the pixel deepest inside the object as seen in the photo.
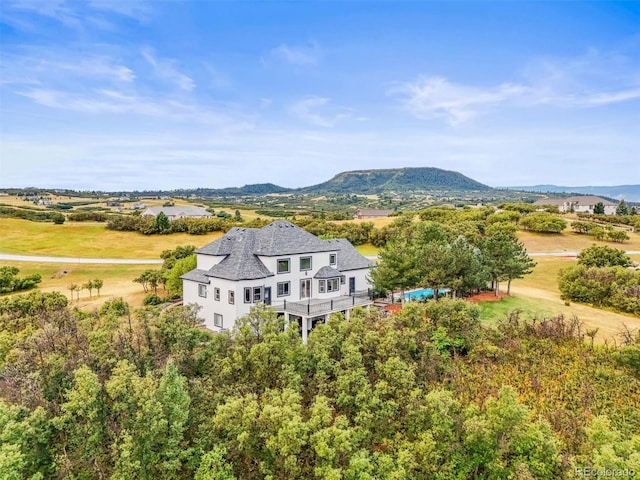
(630, 193)
(399, 180)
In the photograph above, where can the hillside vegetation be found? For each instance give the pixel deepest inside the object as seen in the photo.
(427, 394)
(397, 180)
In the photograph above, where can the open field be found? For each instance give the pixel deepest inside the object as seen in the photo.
(569, 241)
(537, 295)
(88, 240)
(118, 281)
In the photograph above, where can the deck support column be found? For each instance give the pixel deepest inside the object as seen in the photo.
(305, 329)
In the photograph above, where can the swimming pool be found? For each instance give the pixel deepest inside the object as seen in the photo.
(425, 293)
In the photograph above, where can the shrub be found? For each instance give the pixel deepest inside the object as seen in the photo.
(152, 299)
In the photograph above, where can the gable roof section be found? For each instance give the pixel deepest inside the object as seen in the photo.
(327, 272)
(238, 246)
(588, 200)
(285, 238)
(374, 213)
(184, 211)
(348, 257)
(196, 275)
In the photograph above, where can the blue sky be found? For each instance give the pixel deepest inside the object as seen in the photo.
(128, 94)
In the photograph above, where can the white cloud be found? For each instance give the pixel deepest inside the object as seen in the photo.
(165, 68)
(53, 67)
(297, 55)
(77, 15)
(436, 97)
(319, 111)
(593, 80)
(137, 9)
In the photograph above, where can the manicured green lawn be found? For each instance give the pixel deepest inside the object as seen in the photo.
(492, 312)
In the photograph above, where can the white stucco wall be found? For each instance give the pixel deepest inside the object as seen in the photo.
(210, 306)
(205, 262)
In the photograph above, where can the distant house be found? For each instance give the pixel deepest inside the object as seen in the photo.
(174, 213)
(113, 203)
(138, 206)
(364, 213)
(303, 277)
(579, 204)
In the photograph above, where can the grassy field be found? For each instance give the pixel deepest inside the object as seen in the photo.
(118, 280)
(569, 241)
(537, 295)
(88, 240)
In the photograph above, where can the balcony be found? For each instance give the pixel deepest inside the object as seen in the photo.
(314, 307)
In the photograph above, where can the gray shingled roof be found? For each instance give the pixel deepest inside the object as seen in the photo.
(242, 246)
(241, 263)
(285, 238)
(224, 245)
(327, 272)
(348, 257)
(196, 276)
(180, 211)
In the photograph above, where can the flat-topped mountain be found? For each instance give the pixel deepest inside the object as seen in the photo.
(398, 180)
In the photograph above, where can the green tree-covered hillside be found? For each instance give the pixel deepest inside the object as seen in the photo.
(397, 180)
(426, 394)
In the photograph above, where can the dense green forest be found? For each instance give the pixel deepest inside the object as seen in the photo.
(426, 394)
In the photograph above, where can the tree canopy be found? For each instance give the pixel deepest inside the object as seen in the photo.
(428, 394)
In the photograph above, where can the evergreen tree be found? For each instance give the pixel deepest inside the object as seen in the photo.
(599, 208)
(622, 208)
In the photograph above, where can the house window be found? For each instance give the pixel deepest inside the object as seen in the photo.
(232, 297)
(283, 265)
(305, 263)
(202, 291)
(257, 294)
(216, 294)
(332, 285)
(332, 259)
(247, 295)
(284, 289)
(321, 286)
(217, 320)
(305, 288)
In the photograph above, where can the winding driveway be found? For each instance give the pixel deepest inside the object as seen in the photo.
(111, 261)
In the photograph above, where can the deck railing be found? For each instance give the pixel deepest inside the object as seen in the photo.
(335, 304)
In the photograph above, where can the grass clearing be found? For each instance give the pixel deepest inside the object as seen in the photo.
(538, 294)
(494, 311)
(569, 241)
(71, 239)
(118, 280)
(367, 249)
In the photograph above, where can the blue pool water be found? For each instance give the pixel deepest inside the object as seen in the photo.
(424, 294)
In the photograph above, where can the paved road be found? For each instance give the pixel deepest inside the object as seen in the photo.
(112, 261)
(570, 254)
(153, 261)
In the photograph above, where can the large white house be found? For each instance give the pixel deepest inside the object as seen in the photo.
(579, 204)
(302, 276)
(174, 213)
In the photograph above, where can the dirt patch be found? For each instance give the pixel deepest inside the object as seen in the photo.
(486, 297)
